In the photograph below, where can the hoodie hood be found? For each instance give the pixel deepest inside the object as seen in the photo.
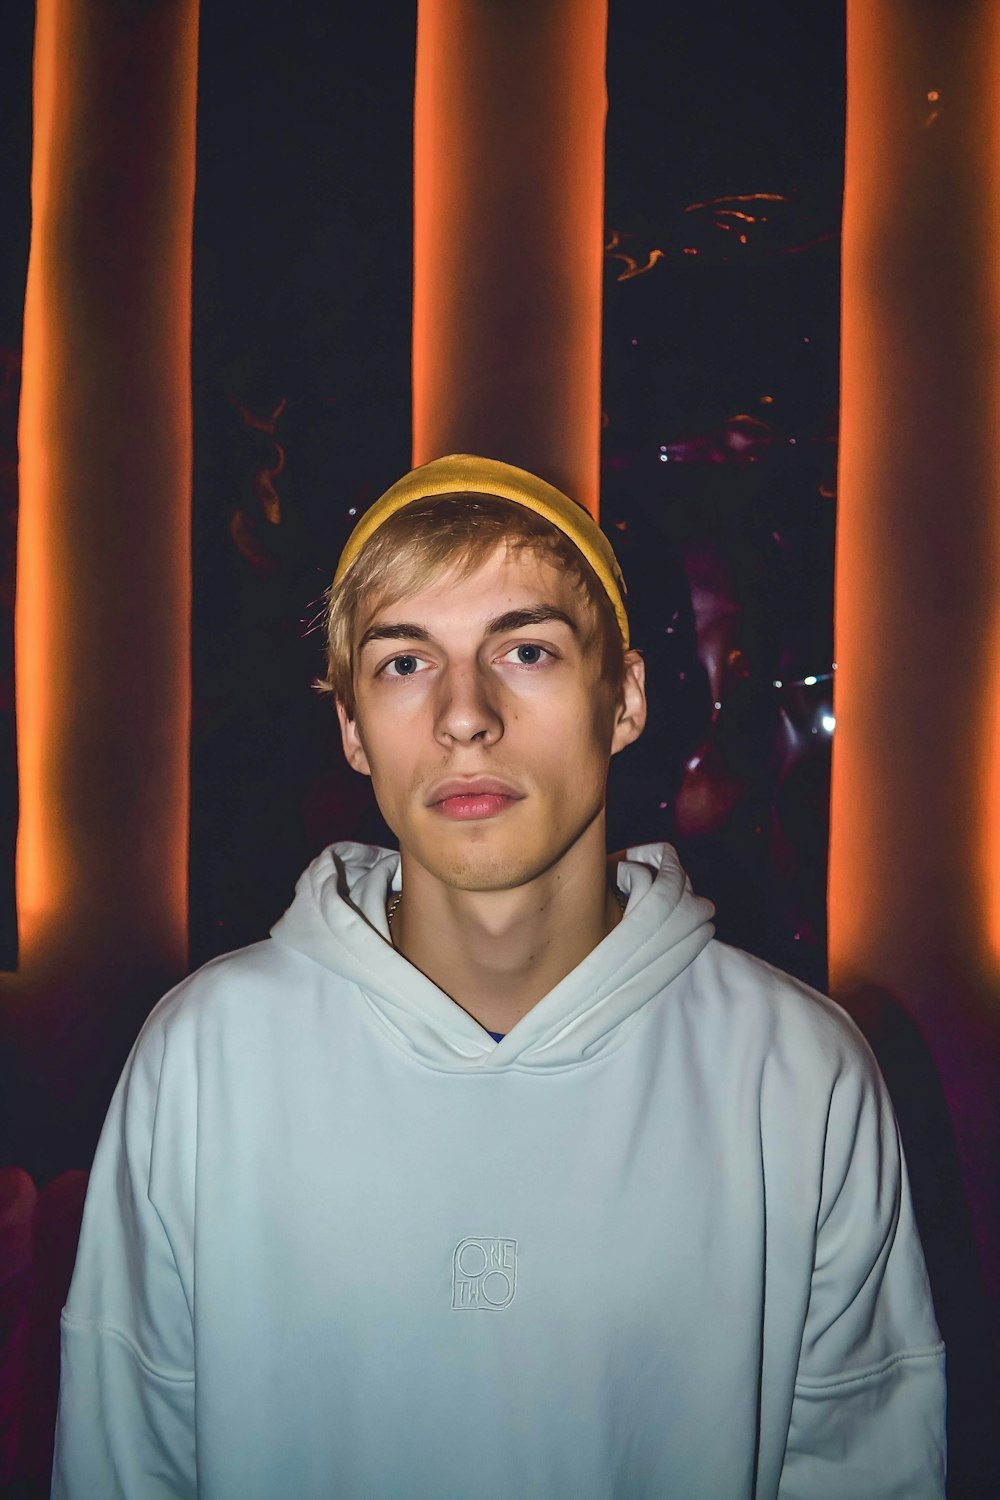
(338, 919)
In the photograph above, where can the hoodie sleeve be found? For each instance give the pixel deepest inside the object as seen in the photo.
(125, 1428)
(868, 1409)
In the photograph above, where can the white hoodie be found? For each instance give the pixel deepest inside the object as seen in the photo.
(657, 1244)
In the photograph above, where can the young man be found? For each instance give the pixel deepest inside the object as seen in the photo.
(492, 1174)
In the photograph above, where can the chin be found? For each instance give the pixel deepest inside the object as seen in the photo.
(488, 857)
(491, 863)
(485, 870)
(478, 863)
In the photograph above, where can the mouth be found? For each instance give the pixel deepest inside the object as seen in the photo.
(484, 797)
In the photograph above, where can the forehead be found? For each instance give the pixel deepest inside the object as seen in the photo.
(508, 578)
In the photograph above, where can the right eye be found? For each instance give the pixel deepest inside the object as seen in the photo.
(403, 666)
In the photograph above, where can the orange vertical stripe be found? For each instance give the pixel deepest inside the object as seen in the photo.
(915, 819)
(914, 848)
(103, 581)
(508, 222)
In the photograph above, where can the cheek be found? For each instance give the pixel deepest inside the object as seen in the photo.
(394, 755)
(575, 751)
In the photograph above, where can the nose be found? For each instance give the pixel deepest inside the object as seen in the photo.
(467, 712)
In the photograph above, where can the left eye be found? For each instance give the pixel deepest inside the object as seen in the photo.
(403, 666)
(527, 655)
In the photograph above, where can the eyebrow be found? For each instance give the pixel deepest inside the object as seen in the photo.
(539, 614)
(514, 619)
(400, 632)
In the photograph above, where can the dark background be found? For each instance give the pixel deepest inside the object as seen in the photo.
(719, 470)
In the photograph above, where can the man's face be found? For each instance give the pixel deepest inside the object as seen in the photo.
(482, 718)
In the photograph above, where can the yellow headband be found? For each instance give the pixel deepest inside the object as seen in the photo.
(464, 473)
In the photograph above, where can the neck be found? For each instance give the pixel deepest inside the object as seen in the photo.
(496, 953)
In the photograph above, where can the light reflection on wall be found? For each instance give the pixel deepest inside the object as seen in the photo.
(103, 585)
(508, 233)
(915, 834)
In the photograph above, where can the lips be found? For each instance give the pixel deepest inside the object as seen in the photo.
(477, 797)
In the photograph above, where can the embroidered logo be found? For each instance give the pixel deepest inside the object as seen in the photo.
(484, 1274)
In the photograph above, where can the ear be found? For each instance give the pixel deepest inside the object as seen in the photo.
(354, 750)
(630, 715)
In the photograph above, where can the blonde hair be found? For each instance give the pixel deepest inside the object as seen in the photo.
(453, 533)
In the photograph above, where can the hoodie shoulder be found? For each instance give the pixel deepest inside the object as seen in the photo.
(787, 1015)
(263, 973)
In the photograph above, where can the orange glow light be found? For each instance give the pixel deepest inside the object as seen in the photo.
(509, 121)
(103, 584)
(917, 753)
